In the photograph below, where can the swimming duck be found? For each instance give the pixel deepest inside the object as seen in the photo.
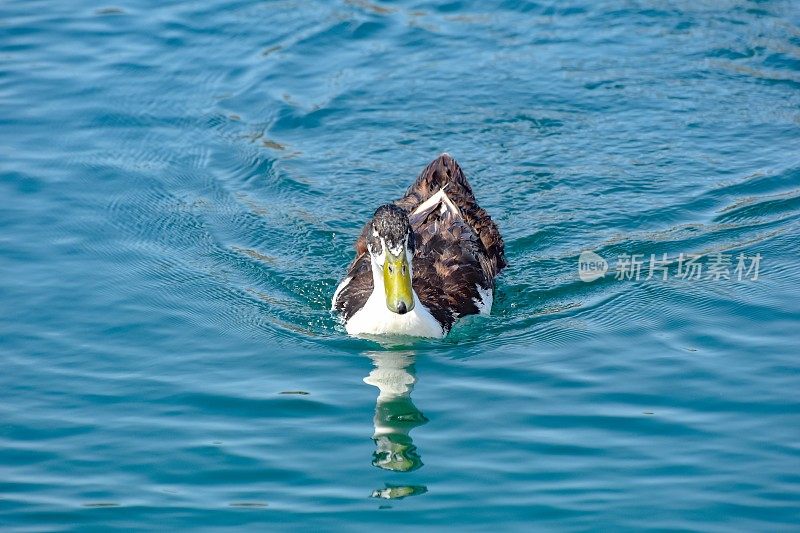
(422, 261)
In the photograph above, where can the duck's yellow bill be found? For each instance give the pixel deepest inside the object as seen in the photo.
(397, 282)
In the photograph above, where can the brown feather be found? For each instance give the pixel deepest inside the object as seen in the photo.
(445, 171)
(454, 253)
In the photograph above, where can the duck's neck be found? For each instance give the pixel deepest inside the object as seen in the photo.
(376, 319)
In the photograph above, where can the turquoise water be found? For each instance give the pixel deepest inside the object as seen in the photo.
(181, 185)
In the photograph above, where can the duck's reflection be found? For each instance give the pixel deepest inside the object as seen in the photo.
(395, 413)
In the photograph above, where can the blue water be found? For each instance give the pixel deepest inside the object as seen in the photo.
(180, 188)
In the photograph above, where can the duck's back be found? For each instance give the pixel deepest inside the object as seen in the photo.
(444, 173)
(459, 249)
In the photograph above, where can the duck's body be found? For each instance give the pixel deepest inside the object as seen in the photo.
(423, 261)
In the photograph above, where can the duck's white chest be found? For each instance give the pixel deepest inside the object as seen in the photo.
(376, 319)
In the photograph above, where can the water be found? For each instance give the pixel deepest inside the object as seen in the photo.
(181, 185)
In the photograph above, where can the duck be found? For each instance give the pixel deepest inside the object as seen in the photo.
(422, 262)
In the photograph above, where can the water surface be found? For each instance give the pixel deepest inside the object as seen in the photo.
(181, 185)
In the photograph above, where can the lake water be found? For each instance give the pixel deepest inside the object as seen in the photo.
(181, 185)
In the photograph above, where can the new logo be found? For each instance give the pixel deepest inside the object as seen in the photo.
(591, 266)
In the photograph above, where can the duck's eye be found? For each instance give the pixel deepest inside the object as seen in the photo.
(403, 269)
(391, 269)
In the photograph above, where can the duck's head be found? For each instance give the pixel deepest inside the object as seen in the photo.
(391, 246)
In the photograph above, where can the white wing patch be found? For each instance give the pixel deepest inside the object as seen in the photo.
(345, 282)
(439, 198)
(486, 300)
